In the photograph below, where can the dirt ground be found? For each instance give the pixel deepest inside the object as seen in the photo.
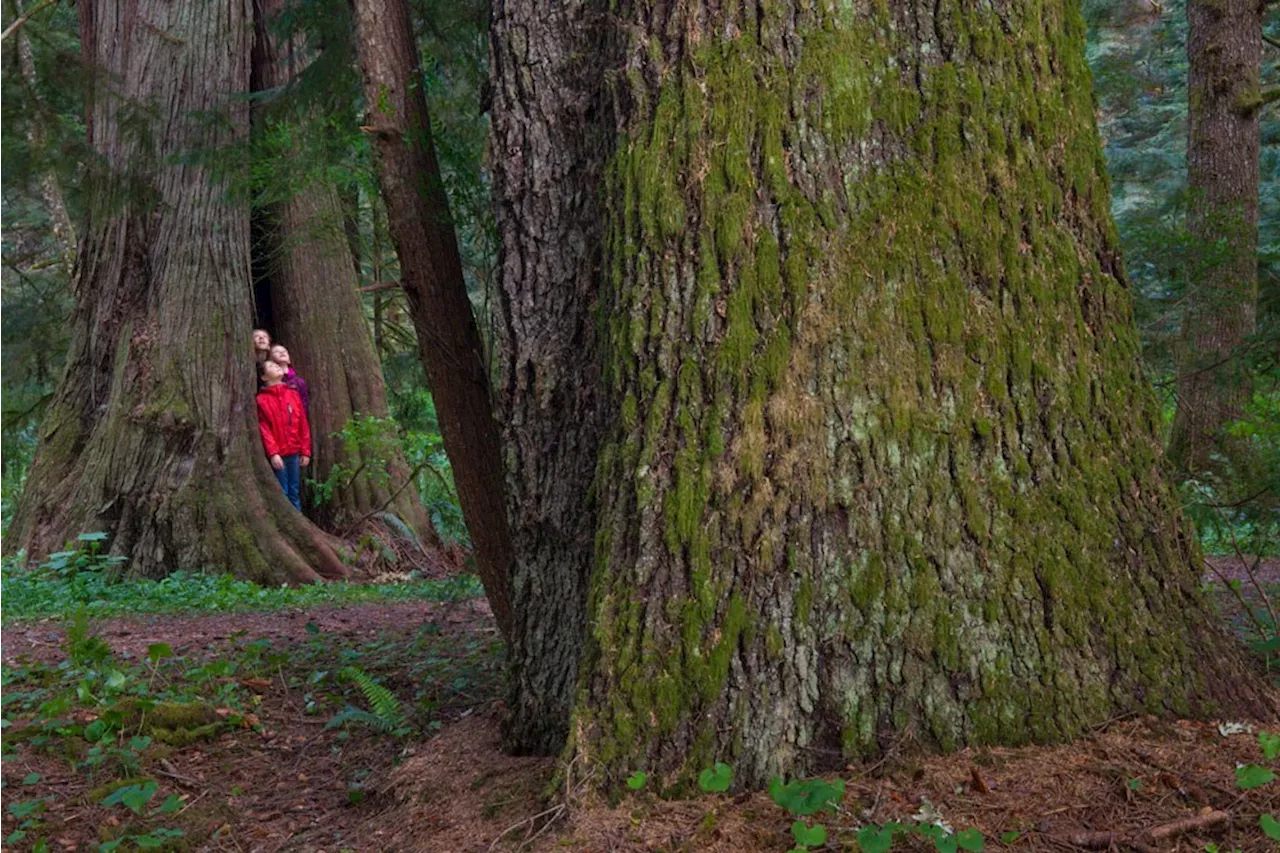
(288, 785)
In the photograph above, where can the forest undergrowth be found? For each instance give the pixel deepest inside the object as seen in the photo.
(202, 714)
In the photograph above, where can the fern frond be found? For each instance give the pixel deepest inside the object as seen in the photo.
(385, 705)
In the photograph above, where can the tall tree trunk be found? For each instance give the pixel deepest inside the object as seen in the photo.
(431, 275)
(64, 231)
(152, 435)
(884, 464)
(316, 307)
(1224, 56)
(550, 140)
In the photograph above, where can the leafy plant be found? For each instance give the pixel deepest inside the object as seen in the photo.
(386, 716)
(1249, 776)
(716, 779)
(805, 797)
(637, 780)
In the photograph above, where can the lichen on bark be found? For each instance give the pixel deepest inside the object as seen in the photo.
(884, 464)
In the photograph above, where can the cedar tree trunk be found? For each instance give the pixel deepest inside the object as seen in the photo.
(1224, 55)
(431, 275)
(152, 435)
(879, 460)
(317, 314)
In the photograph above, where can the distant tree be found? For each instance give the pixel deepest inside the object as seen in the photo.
(825, 419)
(151, 435)
(1224, 55)
(316, 308)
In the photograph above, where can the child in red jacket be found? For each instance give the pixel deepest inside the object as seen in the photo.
(286, 435)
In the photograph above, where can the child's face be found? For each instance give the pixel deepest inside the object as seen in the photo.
(272, 371)
(261, 340)
(280, 355)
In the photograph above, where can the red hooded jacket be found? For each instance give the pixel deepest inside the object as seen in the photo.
(282, 420)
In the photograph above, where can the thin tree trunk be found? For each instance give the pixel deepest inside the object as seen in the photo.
(883, 464)
(1224, 55)
(152, 436)
(431, 275)
(64, 231)
(318, 316)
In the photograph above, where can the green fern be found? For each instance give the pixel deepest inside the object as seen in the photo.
(386, 715)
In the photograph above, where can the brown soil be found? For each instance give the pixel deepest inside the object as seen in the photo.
(1136, 776)
(286, 786)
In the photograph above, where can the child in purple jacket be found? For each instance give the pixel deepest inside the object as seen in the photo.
(280, 356)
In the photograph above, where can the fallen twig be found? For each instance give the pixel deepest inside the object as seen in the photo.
(552, 815)
(1204, 820)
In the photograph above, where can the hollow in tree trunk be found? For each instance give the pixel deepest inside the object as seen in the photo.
(883, 464)
(1224, 55)
(431, 276)
(152, 435)
(317, 315)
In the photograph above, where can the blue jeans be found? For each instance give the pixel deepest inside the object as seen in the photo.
(290, 477)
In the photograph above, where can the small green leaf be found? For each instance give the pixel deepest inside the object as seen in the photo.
(139, 742)
(132, 797)
(716, 779)
(875, 839)
(803, 797)
(170, 805)
(1270, 743)
(1135, 784)
(17, 836)
(637, 780)
(157, 652)
(25, 808)
(92, 537)
(1270, 826)
(970, 839)
(1250, 776)
(312, 628)
(1009, 837)
(945, 843)
(809, 836)
(31, 778)
(116, 680)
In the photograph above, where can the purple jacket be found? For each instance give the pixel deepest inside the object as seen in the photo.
(297, 383)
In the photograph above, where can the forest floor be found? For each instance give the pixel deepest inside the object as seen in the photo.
(261, 766)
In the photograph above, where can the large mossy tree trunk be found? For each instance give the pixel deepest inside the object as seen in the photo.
(318, 316)
(1224, 56)
(431, 275)
(883, 464)
(152, 435)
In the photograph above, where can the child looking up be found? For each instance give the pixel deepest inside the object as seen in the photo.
(286, 435)
(280, 356)
(261, 344)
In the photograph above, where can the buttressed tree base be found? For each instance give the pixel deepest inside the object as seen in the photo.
(862, 444)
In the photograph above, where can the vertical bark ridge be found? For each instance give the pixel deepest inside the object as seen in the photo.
(884, 465)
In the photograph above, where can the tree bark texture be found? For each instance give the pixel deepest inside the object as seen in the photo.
(152, 435)
(879, 461)
(431, 275)
(318, 316)
(1224, 56)
(549, 144)
(64, 231)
